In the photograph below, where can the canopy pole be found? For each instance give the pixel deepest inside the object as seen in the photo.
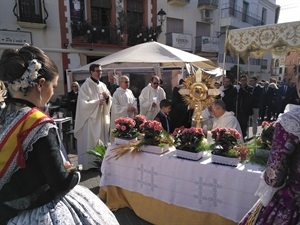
(248, 67)
(237, 80)
(238, 68)
(225, 50)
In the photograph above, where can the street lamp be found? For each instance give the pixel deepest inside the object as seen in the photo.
(161, 16)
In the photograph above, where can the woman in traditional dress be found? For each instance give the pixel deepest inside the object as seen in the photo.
(279, 190)
(36, 183)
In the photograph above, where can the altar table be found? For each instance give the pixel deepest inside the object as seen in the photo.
(164, 189)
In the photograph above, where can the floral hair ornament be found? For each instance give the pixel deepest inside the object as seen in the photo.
(28, 79)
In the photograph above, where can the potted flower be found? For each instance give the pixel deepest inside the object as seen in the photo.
(226, 149)
(125, 130)
(139, 120)
(189, 142)
(264, 141)
(155, 140)
(261, 145)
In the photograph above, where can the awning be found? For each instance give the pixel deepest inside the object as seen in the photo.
(277, 39)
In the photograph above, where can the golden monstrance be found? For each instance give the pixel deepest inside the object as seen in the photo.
(198, 92)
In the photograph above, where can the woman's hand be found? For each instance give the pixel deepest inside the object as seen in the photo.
(68, 165)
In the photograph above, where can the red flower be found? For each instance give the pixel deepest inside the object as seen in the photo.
(153, 131)
(125, 128)
(226, 136)
(188, 138)
(242, 151)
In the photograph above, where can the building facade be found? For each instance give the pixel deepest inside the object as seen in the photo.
(76, 32)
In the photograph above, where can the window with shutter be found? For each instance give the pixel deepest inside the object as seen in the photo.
(31, 13)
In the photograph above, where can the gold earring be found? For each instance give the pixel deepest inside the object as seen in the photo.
(41, 99)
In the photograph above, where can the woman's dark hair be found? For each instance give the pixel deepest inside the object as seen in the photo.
(14, 62)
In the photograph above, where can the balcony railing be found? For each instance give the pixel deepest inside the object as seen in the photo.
(83, 32)
(238, 13)
(208, 4)
(31, 14)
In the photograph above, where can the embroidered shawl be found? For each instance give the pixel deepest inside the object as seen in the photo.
(12, 149)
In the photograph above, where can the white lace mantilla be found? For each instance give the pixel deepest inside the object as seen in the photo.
(290, 121)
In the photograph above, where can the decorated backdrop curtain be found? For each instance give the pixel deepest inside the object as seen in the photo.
(257, 41)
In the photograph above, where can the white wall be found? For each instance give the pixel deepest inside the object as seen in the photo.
(47, 38)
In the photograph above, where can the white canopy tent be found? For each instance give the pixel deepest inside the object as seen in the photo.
(148, 56)
(151, 54)
(277, 39)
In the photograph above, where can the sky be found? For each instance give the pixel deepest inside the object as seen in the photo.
(290, 10)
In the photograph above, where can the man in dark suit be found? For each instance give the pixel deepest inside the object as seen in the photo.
(229, 94)
(181, 114)
(244, 101)
(284, 95)
(268, 98)
(295, 99)
(257, 92)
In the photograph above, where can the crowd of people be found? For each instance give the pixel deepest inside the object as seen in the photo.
(250, 101)
(253, 101)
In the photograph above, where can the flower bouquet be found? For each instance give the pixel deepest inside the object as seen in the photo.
(155, 139)
(189, 142)
(264, 141)
(226, 149)
(260, 146)
(139, 120)
(125, 130)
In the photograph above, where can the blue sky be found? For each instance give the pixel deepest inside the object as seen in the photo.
(290, 10)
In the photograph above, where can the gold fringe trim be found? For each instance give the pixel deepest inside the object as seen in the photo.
(254, 214)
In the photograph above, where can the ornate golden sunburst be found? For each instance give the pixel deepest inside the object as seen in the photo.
(198, 90)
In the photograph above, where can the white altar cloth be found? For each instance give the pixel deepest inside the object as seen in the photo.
(197, 185)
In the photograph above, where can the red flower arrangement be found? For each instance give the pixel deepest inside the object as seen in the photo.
(153, 132)
(239, 151)
(125, 128)
(188, 139)
(264, 141)
(139, 120)
(225, 140)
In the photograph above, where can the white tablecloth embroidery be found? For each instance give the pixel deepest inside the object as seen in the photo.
(197, 185)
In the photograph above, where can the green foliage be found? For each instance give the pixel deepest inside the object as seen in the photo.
(255, 156)
(165, 138)
(203, 146)
(98, 151)
(264, 141)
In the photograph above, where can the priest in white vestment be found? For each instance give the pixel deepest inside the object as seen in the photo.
(150, 98)
(124, 103)
(92, 116)
(224, 118)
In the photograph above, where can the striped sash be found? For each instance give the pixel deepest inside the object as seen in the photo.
(11, 146)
